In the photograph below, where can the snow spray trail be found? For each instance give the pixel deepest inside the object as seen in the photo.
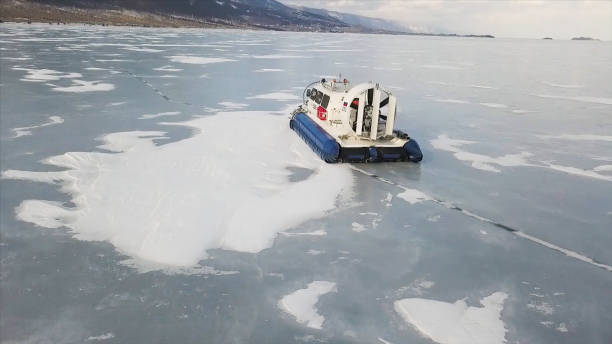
(514, 231)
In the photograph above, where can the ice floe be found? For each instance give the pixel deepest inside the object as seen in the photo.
(456, 323)
(302, 303)
(197, 59)
(80, 86)
(171, 203)
(23, 131)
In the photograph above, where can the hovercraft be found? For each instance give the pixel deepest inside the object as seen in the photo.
(346, 123)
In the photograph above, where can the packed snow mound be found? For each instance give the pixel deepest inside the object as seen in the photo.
(226, 187)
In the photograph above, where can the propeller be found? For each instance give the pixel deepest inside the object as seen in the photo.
(355, 104)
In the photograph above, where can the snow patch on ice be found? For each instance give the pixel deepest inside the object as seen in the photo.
(456, 323)
(168, 68)
(578, 137)
(143, 50)
(42, 75)
(413, 196)
(278, 56)
(603, 168)
(358, 227)
(23, 131)
(232, 105)
(479, 161)
(554, 84)
(440, 66)
(105, 336)
(279, 96)
(494, 105)
(80, 86)
(302, 303)
(582, 172)
(541, 307)
(161, 114)
(192, 195)
(454, 101)
(266, 70)
(197, 59)
(584, 99)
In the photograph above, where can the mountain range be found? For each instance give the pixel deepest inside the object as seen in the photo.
(258, 14)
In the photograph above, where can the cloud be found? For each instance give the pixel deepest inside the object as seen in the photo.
(512, 18)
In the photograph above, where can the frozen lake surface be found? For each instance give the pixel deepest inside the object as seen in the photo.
(152, 191)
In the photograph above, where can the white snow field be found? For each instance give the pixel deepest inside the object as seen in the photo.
(173, 202)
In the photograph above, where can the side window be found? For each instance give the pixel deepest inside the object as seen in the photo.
(325, 101)
(313, 93)
(319, 97)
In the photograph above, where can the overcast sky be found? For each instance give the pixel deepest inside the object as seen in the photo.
(504, 18)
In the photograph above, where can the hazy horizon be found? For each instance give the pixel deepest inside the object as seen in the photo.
(508, 19)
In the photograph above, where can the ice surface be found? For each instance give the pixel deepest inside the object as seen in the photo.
(456, 323)
(302, 303)
(224, 193)
(159, 197)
